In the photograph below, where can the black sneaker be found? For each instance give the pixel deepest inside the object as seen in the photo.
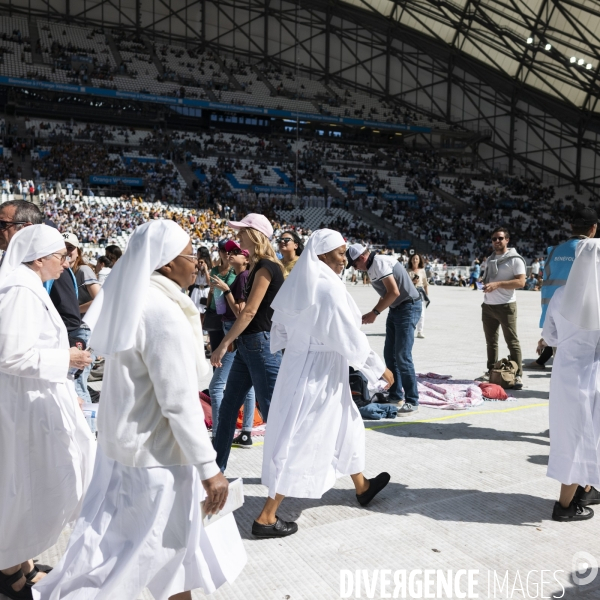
(586, 498)
(375, 486)
(575, 512)
(244, 440)
(279, 529)
(407, 409)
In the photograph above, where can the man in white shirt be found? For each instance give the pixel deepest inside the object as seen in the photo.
(504, 273)
(535, 267)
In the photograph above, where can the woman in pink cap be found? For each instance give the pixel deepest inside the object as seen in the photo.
(254, 365)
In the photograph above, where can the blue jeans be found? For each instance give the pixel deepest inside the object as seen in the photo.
(83, 333)
(253, 365)
(217, 386)
(397, 352)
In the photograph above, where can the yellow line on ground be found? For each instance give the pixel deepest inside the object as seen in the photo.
(456, 415)
(459, 414)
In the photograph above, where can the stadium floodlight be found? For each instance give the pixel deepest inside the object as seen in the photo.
(530, 40)
(588, 66)
(573, 59)
(548, 46)
(580, 61)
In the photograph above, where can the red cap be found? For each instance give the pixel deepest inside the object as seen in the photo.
(233, 245)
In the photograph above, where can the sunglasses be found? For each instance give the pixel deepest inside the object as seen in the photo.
(235, 252)
(6, 224)
(497, 239)
(285, 240)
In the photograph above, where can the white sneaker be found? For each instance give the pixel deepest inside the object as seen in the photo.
(420, 335)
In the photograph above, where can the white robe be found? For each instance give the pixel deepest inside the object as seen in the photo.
(574, 399)
(315, 432)
(46, 446)
(140, 525)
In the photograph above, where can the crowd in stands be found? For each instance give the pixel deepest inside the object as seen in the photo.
(121, 60)
(399, 184)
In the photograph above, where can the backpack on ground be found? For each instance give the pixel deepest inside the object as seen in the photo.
(504, 373)
(359, 388)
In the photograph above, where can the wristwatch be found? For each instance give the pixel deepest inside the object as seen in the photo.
(376, 312)
(226, 292)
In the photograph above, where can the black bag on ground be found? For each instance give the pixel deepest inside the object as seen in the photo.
(359, 388)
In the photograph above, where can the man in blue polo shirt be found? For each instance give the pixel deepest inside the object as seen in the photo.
(557, 267)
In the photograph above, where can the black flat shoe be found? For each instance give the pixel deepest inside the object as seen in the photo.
(574, 512)
(375, 486)
(586, 498)
(6, 583)
(279, 529)
(37, 568)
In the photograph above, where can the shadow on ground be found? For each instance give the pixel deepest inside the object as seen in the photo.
(471, 506)
(450, 431)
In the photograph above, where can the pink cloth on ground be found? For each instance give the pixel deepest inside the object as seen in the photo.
(440, 391)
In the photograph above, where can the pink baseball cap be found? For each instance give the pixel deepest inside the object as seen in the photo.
(233, 245)
(254, 221)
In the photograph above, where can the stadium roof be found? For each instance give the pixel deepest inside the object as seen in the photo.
(550, 45)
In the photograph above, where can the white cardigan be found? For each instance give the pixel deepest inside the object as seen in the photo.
(150, 412)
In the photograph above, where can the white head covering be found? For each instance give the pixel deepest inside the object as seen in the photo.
(34, 241)
(313, 303)
(115, 313)
(299, 291)
(580, 303)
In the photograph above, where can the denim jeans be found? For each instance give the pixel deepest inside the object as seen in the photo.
(253, 365)
(84, 333)
(397, 352)
(217, 386)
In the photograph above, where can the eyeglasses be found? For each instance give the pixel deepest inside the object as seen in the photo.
(285, 240)
(191, 257)
(6, 224)
(497, 239)
(62, 257)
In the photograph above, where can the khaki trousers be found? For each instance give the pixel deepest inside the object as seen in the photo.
(493, 317)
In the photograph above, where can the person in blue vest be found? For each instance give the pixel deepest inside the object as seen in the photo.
(557, 267)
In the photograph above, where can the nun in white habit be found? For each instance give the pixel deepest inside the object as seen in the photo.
(46, 447)
(315, 432)
(572, 325)
(141, 523)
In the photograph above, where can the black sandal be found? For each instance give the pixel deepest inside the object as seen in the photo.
(37, 568)
(6, 586)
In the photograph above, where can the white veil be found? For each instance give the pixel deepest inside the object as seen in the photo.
(581, 299)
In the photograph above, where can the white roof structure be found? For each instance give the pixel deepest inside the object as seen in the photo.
(551, 46)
